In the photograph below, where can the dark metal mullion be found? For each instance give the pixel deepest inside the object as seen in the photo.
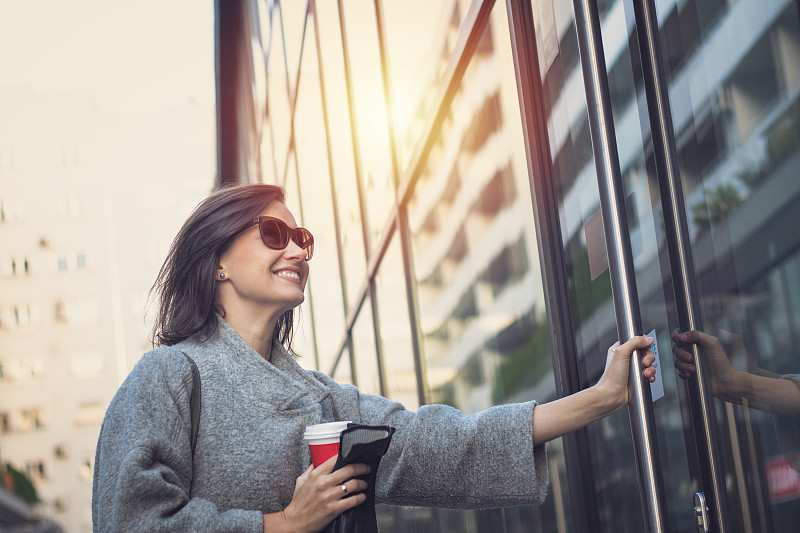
(680, 255)
(542, 178)
(620, 258)
(471, 30)
(412, 302)
(312, 10)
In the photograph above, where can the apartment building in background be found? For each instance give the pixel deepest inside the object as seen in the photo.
(86, 218)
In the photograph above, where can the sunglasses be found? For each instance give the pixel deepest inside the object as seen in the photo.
(275, 234)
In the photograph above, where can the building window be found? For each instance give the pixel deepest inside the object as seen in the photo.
(71, 261)
(30, 419)
(5, 423)
(19, 316)
(21, 369)
(86, 365)
(35, 470)
(12, 210)
(60, 316)
(79, 311)
(90, 414)
(68, 206)
(87, 468)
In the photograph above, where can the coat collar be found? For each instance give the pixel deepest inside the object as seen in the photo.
(289, 385)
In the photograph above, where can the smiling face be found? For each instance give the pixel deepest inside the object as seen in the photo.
(259, 280)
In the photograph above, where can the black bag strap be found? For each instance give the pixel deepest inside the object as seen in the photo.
(194, 401)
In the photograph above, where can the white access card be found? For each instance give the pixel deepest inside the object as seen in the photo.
(656, 387)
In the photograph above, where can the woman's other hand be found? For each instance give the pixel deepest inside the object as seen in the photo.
(319, 496)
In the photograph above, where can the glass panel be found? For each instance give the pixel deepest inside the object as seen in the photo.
(477, 267)
(312, 159)
(373, 133)
(736, 112)
(614, 470)
(278, 107)
(343, 374)
(341, 147)
(419, 50)
(364, 349)
(398, 354)
(303, 340)
(294, 15)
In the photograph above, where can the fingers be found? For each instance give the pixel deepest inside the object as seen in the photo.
(687, 338)
(649, 372)
(684, 360)
(352, 486)
(332, 481)
(637, 343)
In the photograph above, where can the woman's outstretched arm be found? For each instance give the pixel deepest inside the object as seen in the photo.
(554, 419)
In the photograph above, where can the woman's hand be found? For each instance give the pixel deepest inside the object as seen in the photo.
(319, 496)
(559, 417)
(614, 381)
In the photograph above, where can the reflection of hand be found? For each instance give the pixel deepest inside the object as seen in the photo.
(760, 388)
(724, 378)
(318, 496)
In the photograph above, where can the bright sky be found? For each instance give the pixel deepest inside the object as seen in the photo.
(131, 55)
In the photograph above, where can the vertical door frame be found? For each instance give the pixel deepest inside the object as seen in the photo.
(541, 176)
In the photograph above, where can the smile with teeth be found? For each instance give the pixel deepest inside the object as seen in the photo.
(288, 274)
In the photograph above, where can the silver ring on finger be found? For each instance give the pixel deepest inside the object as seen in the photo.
(344, 489)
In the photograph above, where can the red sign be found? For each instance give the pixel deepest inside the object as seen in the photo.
(783, 480)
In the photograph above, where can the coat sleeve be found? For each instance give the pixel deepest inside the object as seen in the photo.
(441, 457)
(143, 464)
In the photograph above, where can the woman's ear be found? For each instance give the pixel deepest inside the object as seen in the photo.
(221, 275)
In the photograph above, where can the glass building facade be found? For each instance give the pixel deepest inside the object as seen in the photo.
(501, 190)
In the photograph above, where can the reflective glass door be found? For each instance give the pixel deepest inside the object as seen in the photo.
(732, 70)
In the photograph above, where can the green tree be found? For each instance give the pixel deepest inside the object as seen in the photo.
(20, 485)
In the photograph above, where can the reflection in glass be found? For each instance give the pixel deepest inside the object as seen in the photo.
(278, 103)
(341, 146)
(398, 355)
(312, 160)
(343, 373)
(368, 379)
(370, 111)
(419, 49)
(593, 319)
(739, 148)
(473, 263)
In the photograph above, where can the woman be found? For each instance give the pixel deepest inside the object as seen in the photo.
(232, 278)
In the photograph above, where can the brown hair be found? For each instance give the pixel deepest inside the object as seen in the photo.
(185, 286)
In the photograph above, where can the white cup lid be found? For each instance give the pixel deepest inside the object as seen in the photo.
(328, 429)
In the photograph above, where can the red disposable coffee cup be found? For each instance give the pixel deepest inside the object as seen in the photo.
(323, 440)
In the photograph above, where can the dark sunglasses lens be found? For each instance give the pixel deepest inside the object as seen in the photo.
(305, 240)
(275, 234)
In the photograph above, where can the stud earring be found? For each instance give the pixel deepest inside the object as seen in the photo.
(222, 275)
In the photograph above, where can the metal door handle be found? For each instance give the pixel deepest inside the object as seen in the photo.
(701, 512)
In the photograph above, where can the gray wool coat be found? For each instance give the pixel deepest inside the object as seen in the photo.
(250, 447)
